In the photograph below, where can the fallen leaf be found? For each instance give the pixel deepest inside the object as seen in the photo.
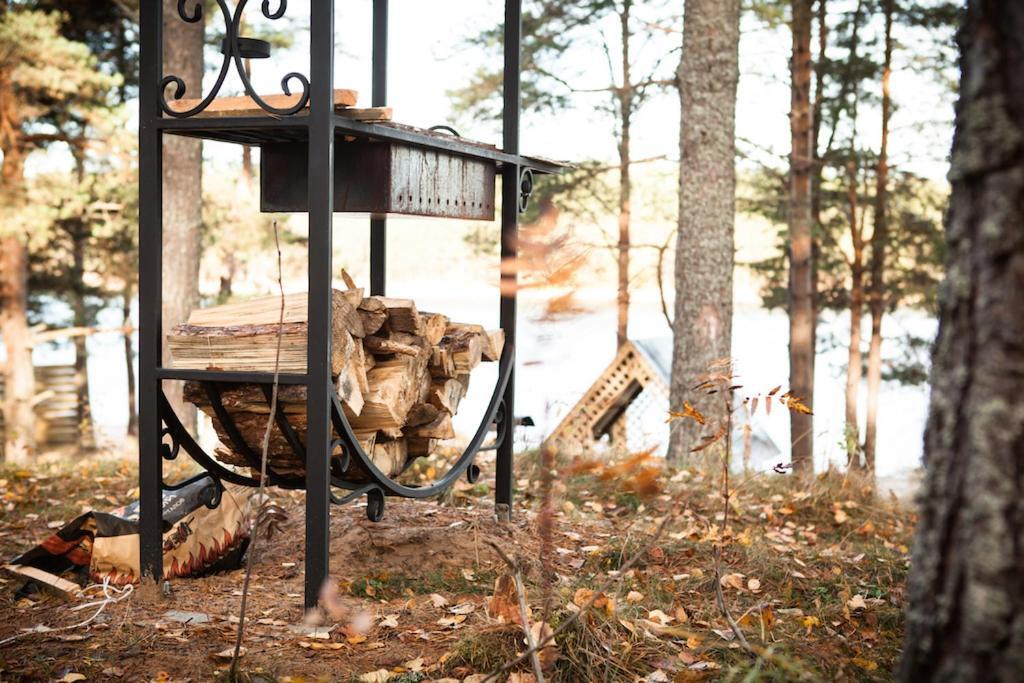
(634, 597)
(463, 608)
(71, 678)
(228, 654)
(753, 585)
(504, 604)
(451, 622)
(414, 665)
(865, 664)
(378, 676)
(438, 600)
(659, 617)
(733, 581)
(548, 654)
(856, 602)
(390, 621)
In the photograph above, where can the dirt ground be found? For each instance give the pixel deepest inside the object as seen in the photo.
(813, 576)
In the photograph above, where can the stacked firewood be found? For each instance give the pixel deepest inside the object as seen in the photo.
(400, 373)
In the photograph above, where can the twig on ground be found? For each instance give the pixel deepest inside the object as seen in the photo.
(253, 536)
(585, 607)
(524, 610)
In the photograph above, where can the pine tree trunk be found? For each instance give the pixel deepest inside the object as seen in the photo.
(182, 189)
(854, 360)
(801, 280)
(19, 378)
(965, 619)
(702, 327)
(879, 238)
(625, 98)
(87, 441)
(129, 359)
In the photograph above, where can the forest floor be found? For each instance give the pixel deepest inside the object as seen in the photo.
(813, 576)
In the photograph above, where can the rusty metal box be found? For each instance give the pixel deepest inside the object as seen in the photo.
(382, 177)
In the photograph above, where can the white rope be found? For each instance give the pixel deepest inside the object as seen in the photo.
(111, 594)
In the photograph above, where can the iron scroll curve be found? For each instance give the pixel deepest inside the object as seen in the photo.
(232, 54)
(525, 189)
(462, 464)
(381, 485)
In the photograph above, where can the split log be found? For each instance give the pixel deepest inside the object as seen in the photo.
(466, 348)
(373, 314)
(442, 363)
(420, 448)
(439, 428)
(421, 414)
(243, 337)
(447, 394)
(433, 327)
(382, 346)
(496, 344)
(402, 314)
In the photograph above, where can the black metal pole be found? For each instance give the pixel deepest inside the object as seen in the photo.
(378, 98)
(509, 250)
(318, 352)
(150, 289)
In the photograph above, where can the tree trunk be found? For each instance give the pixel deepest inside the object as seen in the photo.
(702, 327)
(129, 358)
(854, 354)
(625, 98)
(79, 233)
(87, 441)
(801, 281)
(19, 378)
(182, 189)
(879, 238)
(965, 619)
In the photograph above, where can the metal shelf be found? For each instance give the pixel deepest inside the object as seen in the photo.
(257, 130)
(229, 376)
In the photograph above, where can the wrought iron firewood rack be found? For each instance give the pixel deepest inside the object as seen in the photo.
(311, 123)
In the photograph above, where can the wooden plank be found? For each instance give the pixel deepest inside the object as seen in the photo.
(243, 105)
(64, 587)
(369, 114)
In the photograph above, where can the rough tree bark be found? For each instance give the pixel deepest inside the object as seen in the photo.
(625, 101)
(19, 378)
(801, 280)
(965, 619)
(182, 188)
(879, 238)
(702, 324)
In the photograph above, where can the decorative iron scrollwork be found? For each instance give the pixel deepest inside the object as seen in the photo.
(472, 473)
(169, 451)
(233, 53)
(525, 189)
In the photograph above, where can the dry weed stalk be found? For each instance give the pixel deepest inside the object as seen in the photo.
(524, 611)
(719, 381)
(253, 536)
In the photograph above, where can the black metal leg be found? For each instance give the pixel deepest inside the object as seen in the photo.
(150, 291)
(318, 364)
(504, 478)
(378, 98)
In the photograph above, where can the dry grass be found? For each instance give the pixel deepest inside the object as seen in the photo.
(814, 574)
